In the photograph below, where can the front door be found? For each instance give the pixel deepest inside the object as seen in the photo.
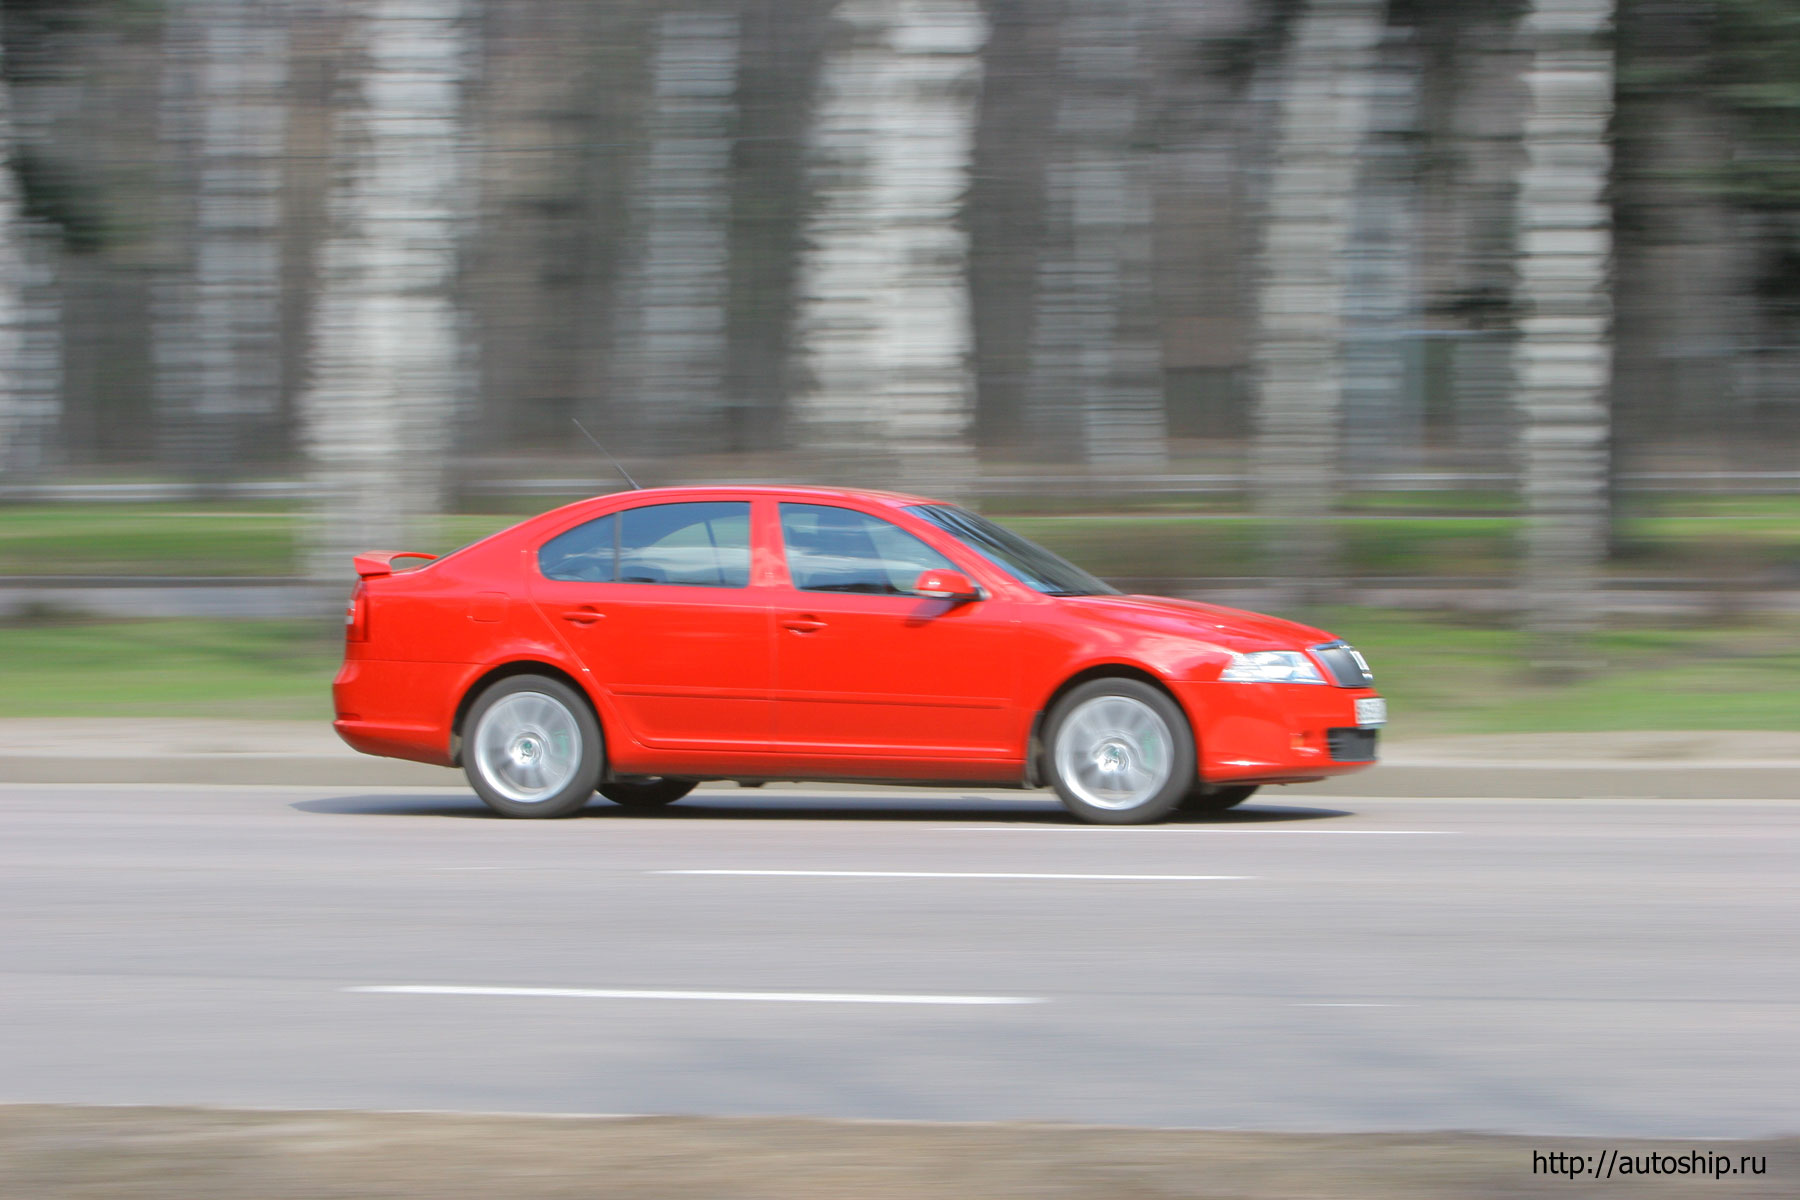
(656, 602)
(863, 665)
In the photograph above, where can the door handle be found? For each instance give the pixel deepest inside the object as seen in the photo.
(583, 616)
(802, 624)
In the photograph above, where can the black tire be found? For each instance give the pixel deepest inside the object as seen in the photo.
(532, 748)
(1207, 799)
(1123, 732)
(653, 791)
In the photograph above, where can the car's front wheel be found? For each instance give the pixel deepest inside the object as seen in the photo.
(652, 791)
(533, 748)
(1120, 752)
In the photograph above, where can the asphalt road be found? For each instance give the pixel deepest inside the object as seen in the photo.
(1605, 967)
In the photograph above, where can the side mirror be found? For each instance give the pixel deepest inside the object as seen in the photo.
(953, 586)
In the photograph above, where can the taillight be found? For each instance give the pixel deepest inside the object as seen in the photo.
(356, 616)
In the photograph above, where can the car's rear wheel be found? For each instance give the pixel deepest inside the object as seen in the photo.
(653, 791)
(1120, 752)
(533, 748)
(1207, 798)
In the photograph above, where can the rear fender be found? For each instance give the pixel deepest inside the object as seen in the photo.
(547, 659)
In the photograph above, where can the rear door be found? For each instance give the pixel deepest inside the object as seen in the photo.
(863, 665)
(656, 601)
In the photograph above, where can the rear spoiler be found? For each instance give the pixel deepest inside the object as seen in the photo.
(381, 562)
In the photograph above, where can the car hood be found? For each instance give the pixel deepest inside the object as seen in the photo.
(1230, 628)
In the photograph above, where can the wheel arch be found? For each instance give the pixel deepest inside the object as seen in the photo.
(506, 670)
(1035, 771)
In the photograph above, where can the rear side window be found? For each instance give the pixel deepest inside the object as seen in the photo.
(585, 553)
(705, 544)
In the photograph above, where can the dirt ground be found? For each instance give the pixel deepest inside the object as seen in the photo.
(65, 1153)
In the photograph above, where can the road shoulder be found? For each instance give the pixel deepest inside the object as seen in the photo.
(52, 1152)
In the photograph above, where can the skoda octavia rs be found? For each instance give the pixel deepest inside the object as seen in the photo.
(639, 643)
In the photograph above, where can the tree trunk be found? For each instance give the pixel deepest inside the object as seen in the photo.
(883, 335)
(388, 358)
(36, 380)
(1096, 388)
(31, 343)
(30, 328)
(12, 300)
(672, 345)
(1006, 215)
(218, 335)
(1383, 421)
(1471, 234)
(1563, 356)
(1324, 112)
(783, 47)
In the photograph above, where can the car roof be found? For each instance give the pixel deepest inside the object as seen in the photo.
(616, 501)
(791, 491)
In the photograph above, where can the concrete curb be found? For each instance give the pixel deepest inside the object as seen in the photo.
(1736, 765)
(247, 770)
(1683, 780)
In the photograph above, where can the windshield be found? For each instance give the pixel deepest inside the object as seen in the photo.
(1026, 561)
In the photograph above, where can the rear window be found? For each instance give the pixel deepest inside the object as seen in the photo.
(694, 544)
(587, 552)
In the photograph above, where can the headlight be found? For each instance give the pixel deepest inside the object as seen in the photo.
(1271, 666)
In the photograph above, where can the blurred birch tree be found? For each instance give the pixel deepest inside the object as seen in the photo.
(388, 360)
(32, 382)
(1324, 106)
(30, 304)
(218, 336)
(783, 45)
(1469, 226)
(1563, 355)
(1381, 289)
(12, 300)
(672, 346)
(883, 336)
(1095, 386)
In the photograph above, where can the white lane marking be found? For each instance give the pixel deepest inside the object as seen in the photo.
(1338, 1004)
(1163, 829)
(949, 875)
(424, 989)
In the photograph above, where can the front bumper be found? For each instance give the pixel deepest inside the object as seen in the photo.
(1276, 732)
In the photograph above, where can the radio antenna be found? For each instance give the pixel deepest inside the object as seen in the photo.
(609, 458)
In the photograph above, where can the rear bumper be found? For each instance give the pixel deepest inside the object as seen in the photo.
(1276, 732)
(412, 742)
(397, 709)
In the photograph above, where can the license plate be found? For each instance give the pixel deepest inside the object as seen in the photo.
(1371, 711)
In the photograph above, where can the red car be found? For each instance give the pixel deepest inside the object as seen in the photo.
(641, 642)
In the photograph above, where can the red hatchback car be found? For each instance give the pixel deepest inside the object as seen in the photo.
(641, 642)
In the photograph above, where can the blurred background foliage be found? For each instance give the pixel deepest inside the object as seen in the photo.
(556, 131)
(1014, 251)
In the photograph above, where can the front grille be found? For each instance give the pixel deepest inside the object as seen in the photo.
(1346, 665)
(1351, 744)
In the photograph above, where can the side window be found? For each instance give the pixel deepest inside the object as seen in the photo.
(585, 553)
(839, 550)
(704, 544)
